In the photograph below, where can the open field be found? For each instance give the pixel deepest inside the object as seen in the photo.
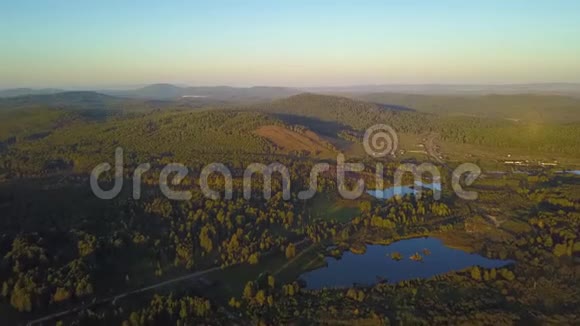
(291, 141)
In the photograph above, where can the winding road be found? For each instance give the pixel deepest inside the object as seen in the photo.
(113, 299)
(431, 149)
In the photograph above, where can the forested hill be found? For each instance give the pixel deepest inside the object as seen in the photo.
(80, 100)
(521, 107)
(11, 92)
(323, 112)
(208, 93)
(31, 123)
(36, 115)
(190, 137)
(316, 109)
(196, 136)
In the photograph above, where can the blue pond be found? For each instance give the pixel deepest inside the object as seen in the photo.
(402, 190)
(377, 264)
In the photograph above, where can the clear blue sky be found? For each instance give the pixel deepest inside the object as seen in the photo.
(296, 43)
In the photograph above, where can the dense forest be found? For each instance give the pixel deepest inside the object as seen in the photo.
(519, 107)
(69, 258)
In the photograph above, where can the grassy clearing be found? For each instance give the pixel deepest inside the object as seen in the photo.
(493, 157)
(456, 240)
(328, 207)
(311, 257)
(230, 282)
(290, 141)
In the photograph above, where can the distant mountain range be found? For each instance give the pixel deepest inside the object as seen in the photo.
(289, 102)
(209, 94)
(28, 91)
(265, 93)
(86, 100)
(215, 93)
(63, 99)
(567, 89)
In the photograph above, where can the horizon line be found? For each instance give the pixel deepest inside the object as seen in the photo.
(321, 86)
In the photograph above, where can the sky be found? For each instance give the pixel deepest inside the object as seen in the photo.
(106, 43)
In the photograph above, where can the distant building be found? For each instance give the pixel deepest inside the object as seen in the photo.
(514, 162)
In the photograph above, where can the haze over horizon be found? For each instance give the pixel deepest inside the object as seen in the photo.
(61, 44)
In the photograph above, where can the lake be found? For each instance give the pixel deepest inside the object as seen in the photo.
(402, 190)
(376, 263)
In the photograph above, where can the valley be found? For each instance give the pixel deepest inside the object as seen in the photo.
(69, 257)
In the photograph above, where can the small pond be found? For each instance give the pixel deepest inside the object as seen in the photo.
(402, 190)
(376, 264)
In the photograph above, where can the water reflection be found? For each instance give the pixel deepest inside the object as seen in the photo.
(376, 264)
(403, 190)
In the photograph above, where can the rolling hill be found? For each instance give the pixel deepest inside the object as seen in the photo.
(207, 93)
(329, 115)
(527, 107)
(76, 100)
(565, 89)
(28, 91)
